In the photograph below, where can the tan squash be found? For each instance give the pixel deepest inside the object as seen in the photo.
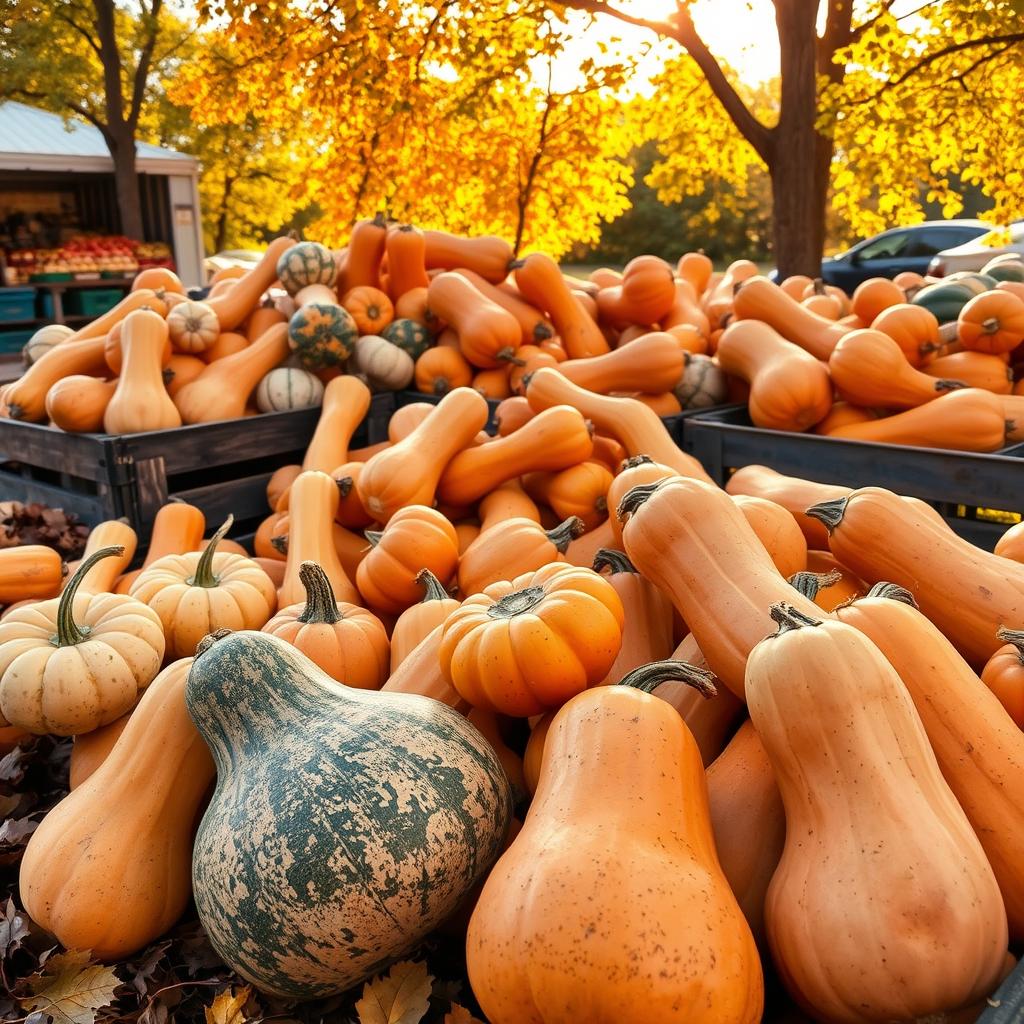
(77, 403)
(345, 404)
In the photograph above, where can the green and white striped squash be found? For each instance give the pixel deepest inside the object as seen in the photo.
(306, 263)
(346, 824)
(411, 337)
(703, 383)
(324, 335)
(43, 340)
(288, 387)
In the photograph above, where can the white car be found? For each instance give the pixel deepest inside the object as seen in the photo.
(973, 255)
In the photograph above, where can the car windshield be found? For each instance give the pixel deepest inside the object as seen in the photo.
(997, 238)
(885, 246)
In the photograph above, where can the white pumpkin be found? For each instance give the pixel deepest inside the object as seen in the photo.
(385, 366)
(43, 340)
(193, 327)
(289, 387)
(703, 383)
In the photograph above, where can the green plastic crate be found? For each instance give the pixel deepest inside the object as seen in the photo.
(13, 341)
(92, 301)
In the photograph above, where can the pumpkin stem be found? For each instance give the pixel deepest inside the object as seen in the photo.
(203, 576)
(810, 583)
(68, 633)
(344, 486)
(609, 558)
(633, 499)
(524, 381)
(442, 385)
(1015, 637)
(432, 587)
(893, 592)
(649, 677)
(637, 460)
(991, 325)
(373, 536)
(790, 618)
(829, 512)
(321, 604)
(819, 286)
(516, 264)
(563, 533)
(209, 640)
(949, 385)
(379, 220)
(280, 543)
(519, 602)
(508, 355)
(541, 332)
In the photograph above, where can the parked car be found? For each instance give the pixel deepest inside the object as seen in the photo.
(898, 249)
(975, 253)
(244, 258)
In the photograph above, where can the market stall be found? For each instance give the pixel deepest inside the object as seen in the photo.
(64, 260)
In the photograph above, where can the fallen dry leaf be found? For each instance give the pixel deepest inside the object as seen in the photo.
(229, 1006)
(402, 996)
(460, 1015)
(71, 989)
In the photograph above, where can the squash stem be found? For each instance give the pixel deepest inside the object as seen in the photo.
(649, 677)
(280, 544)
(432, 587)
(563, 533)
(609, 558)
(789, 618)
(1015, 637)
(373, 536)
(321, 604)
(344, 485)
(633, 499)
(68, 632)
(519, 602)
(949, 385)
(637, 460)
(209, 640)
(893, 592)
(541, 332)
(829, 512)
(810, 583)
(203, 576)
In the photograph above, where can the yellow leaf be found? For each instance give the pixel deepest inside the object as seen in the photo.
(71, 989)
(228, 1007)
(459, 1015)
(402, 996)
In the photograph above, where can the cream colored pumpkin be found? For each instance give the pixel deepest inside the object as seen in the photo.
(74, 663)
(198, 592)
(43, 340)
(289, 387)
(385, 366)
(193, 326)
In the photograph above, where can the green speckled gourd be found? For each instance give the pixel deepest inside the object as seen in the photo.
(323, 335)
(411, 337)
(346, 824)
(306, 263)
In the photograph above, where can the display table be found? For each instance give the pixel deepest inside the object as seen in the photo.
(56, 290)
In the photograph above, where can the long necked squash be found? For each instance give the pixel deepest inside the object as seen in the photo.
(854, 766)
(25, 399)
(967, 592)
(366, 248)
(345, 403)
(645, 296)
(760, 299)
(692, 541)
(405, 247)
(978, 746)
(234, 305)
(420, 673)
(789, 388)
(777, 531)
(177, 528)
(77, 403)
(868, 368)
(535, 327)
(486, 255)
(80, 879)
(975, 369)
(488, 334)
(621, 811)
(436, 828)
(653, 363)
(407, 473)
(554, 439)
(639, 429)
(29, 572)
(968, 420)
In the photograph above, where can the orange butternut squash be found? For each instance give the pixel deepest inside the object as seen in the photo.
(420, 672)
(975, 369)
(718, 300)
(554, 439)
(645, 296)
(419, 620)
(841, 414)
(580, 490)
(486, 255)
(873, 296)
(91, 749)
(25, 398)
(914, 328)
(533, 325)
(695, 268)
(103, 576)
(777, 531)
(234, 305)
(366, 246)
(653, 363)
(1003, 674)
(789, 388)
(31, 572)
(509, 501)
(686, 312)
(408, 473)
(181, 369)
(1011, 543)
(262, 319)
(177, 528)
(488, 334)
(541, 284)
(868, 368)
(345, 404)
(77, 403)
(638, 428)
(967, 420)
(406, 249)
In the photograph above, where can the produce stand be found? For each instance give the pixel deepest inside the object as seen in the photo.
(220, 467)
(725, 440)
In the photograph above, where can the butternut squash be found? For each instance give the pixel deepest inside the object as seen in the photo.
(234, 305)
(488, 334)
(533, 325)
(140, 402)
(25, 398)
(777, 531)
(652, 363)
(345, 404)
(77, 403)
(975, 369)
(486, 255)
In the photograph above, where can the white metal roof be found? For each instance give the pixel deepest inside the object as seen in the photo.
(36, 140)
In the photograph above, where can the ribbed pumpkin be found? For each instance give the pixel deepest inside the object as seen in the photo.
(292, 788)
(288, 387)
(1004, 674)
(306, 263)
(195, 593)
(991, 322)
(74, 663)
(324, 335)
(347, 642)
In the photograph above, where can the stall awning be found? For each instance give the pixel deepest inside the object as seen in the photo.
(36, 140)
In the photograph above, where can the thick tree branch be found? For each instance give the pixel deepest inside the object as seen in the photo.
(682, 30)
(839, 32)
(145, 61)
(110, 58)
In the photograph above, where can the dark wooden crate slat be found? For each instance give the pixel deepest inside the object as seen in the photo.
(90, 508)
(725, 440)
(82, 455)
(978, 532)
(245, 499)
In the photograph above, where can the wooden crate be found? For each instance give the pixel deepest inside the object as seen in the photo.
(725, 440)
(220, 467)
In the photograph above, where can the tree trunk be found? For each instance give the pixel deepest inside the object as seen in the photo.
(800, 156)
(126, 182)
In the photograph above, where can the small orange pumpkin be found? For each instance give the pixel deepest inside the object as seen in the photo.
(370, 308)
(348, 642)
(991, 322)
(1003, 674)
